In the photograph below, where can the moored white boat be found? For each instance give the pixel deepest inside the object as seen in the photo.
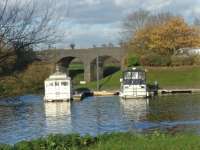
(133, 84)
(58, 87)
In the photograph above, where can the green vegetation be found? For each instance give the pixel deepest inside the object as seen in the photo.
(108, 83)
(175, 77)
(132, 60)
(153, 59)
(76, 66)
(76, 72)
(167, 77)
(30, 80)
(114, 141)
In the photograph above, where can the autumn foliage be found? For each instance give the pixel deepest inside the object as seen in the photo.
(165, 38)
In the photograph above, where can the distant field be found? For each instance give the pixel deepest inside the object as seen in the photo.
(167, 77)
(76, 66)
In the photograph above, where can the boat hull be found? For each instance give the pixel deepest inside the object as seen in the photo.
(134, 91)
(133, 96)
(57, 100)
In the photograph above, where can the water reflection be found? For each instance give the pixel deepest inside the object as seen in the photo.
(58, 117)
(135, 109)
(97, 115)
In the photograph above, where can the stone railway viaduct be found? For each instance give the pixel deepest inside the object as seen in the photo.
(64, 57)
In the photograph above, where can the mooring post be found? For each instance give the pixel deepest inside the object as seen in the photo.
(97, 63)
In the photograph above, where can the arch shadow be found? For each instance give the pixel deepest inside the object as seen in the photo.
(108, 65)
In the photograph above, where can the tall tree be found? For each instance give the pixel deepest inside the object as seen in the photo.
(165, 38)
(134, 22)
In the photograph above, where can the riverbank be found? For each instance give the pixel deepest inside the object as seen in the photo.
(114, 141)
(32, 79)
(185, 77)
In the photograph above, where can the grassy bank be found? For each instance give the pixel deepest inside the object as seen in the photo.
(114, 141)
(176, 77)
(167, 77)
(32, 79)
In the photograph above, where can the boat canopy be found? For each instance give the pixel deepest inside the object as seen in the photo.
(134, 76)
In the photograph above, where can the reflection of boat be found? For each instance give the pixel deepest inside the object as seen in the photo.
(58, 116)
(133, 84)
(135, 109)
(58, 87)
(57, 109)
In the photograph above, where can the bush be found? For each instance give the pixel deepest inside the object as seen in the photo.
(35, 74)
(24, 145)
(196, 60)
(29, 81)
(153, 59)
(6, 147)
(133, 61)
(182, 60)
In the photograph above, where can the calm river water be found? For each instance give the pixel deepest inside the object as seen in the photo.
(96, 115)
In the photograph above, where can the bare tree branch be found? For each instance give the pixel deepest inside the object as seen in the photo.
(27, 23)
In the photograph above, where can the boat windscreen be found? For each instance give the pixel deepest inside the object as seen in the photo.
(134, 75)
(134, 82)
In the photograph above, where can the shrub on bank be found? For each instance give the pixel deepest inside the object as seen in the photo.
(56, 142)
(29, 81)
(196, 60)
(33, 77)
(182, 60)
(133, 61)
(154, 59)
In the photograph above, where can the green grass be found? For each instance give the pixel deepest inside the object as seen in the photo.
(76, 66)
(167, 77)
(175, 77)
(109, 83)
(157, 141)
(114, 141)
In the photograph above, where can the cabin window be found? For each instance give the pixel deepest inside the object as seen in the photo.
(64, 83)
(56, 83)
(134, 75)
(50, 84)
(128, 75)
(141, 75)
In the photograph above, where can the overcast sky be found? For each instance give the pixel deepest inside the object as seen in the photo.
(88, 22)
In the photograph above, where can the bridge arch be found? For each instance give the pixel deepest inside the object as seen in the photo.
(74, 67)
(65, 57)
(107, 66)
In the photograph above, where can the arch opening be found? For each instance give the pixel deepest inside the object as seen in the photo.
(107, 66)
(74, 67)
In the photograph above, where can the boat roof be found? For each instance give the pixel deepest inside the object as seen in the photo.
(134, 70)
(58, 76)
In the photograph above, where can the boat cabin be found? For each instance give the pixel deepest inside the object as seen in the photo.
(133, 83)
(134, 77)
(58, 87)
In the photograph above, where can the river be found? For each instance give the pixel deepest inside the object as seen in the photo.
(97, 115)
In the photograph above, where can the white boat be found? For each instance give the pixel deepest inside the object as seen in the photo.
(58, 87)
(133, 84)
